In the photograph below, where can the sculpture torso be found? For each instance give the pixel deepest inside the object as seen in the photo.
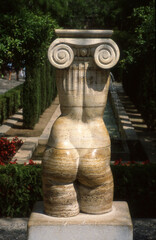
(76, 170)
(83, 98)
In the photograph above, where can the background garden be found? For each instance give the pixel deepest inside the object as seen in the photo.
(26, 30)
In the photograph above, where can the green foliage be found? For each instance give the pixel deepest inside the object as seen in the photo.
(57, 9)
(3, 109)
(27, 28)
(24, 34)
(136, 185)
(39, 91)
(43, 87)
(143, 36)
(10, 102)
(36, 92)
(139, 63)
(31, 97)
(99, 14)
(20, 188)
(134, 26)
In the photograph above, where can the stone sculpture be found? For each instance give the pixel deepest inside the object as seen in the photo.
(76, 165)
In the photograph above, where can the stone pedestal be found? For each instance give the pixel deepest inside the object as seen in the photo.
(115, 225)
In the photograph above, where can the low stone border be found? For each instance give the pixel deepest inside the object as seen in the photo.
(10, 122)
(43, 139)
(125, 126)
(27, 149)
(29, 144)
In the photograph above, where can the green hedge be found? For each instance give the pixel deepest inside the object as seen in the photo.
(10, 102)
(39, 92)
(20, 188)
(136, 185)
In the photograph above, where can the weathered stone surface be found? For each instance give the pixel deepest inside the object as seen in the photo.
(106, 55)
(83, 33)
(16, 228)
(76, 172)
(115, 225)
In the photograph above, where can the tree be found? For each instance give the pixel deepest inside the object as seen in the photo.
(139, 63)
(23, 35)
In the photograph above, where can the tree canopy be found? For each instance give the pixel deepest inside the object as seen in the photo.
(24, 33)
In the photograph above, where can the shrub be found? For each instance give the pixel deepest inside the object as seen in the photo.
(3, 108)
(20, 188)
(136, 184)
(10, 102)
(39, 91)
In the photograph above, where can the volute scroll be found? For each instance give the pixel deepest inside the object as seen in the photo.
(107, 54)
(61, 56)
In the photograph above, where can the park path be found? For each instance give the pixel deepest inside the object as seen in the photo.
(6, 85)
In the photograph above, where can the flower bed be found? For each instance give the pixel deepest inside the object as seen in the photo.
(120, 162)
(8, 149)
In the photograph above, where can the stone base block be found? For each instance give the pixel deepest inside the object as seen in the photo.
(116, 225)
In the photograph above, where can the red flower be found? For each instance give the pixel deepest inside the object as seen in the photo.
(8, 149)
(146, 162)
(118, 162)
(13, 162)
(31, 162)
(1, 163)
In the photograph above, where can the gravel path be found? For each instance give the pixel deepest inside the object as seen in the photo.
(6, 85)
(13, 228)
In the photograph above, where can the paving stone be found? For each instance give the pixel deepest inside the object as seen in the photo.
(6, 85)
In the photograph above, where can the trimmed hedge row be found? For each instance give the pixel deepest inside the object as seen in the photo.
(10, 102)
(136, 185)
(20, 188)
(39, 92)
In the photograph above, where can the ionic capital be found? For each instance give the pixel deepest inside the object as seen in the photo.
(95, 44)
